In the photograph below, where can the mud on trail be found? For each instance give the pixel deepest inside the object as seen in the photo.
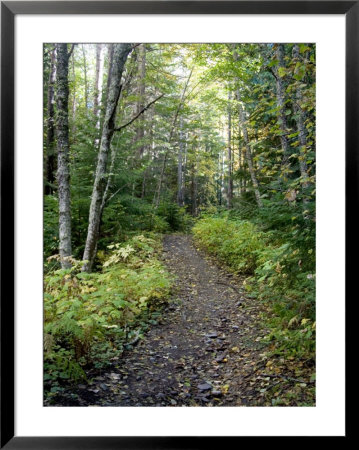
(206, 350)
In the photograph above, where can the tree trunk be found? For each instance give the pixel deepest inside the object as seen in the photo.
(74, 104)
(120, 54)
(110, 65)
(150, 144)
(180, 198)
(50, 129)
(300, 119)
(222, 176)
(282, 107)
(184, 167)
(98, 90)
(63, 171)
(194, 188)
(240, 156)
(141, 97)
(98, 83)
(248, 153)
(157, 195)
(85, 75)
(241, 163)
(230, 162)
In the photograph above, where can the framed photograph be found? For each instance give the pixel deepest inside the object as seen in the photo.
(176, 186)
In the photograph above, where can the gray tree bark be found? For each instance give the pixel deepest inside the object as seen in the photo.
(98, 90)
(63, 150)
(194, 187)
(230, 161)
(180, 197)
(110, 50)
(50, 127)
(120, 54)
(248, 153)
(98, 83)
(240, 162)
(74, 100)
(85, 75)
(141, 97)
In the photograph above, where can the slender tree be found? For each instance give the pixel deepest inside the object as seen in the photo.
(279, 72)
(98, 83)
(120, 54)
(248, 152)
(173, 127)
(141, 97)
(230, 161)
(300, 118)
(63, 150)
(85, 75)
(50, 127)
(180, 193)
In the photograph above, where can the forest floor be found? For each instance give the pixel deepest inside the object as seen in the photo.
(206, 349)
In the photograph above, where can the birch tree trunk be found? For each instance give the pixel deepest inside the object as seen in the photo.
(110, 50)
(180, 166)
(120, 54)
(98, 90)
(85, 75)
(98, 81)
(141, 97)
(230, 162)
(240, 163)
(63, 166)
(194, 186)
(248, 153)
(74, 101)
(50, 128)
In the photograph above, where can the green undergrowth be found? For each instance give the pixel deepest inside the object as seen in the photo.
(124, 216)
(280, 272)
(91, 318)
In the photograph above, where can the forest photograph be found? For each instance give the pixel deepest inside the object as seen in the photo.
(179, 221)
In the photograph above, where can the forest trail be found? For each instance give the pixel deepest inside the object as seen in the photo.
(204, 351)
(179, 140)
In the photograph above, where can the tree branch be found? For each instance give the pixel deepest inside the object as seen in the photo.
(138, 115)
(71, 50)
(134, 46)
(271, 70)
(115, 193)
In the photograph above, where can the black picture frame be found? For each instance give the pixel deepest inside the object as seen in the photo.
(9, 9)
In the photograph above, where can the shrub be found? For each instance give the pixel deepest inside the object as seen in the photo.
(174, 215)
(90, 317)
(236, 243)
(282, 275)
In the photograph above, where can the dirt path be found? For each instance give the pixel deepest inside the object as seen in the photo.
(204, 352)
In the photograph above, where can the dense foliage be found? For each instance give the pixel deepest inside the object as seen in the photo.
(90, 318)
(280, 272)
